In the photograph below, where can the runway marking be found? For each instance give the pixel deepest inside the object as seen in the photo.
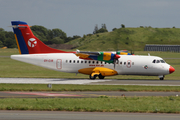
(42, 94)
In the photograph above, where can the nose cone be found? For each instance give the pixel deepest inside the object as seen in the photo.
(171, 69)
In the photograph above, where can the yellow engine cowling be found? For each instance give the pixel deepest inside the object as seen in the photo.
(82, 55)
(106, 56)
(97, 71)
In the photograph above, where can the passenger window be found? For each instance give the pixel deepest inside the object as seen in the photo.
(120, 63)
(81, 61)
(124, 63)
(128, 63)
(69, 61)
(85, 61)
(101, 62)
(132, 63)
(66, 61)
(97, 62)
(74, 61)
(92, 62)
(77, 61)
(89, 62)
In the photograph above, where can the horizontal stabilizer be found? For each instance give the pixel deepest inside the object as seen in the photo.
(17, 26)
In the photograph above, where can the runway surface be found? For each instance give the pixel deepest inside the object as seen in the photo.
(89, 94)
(48, 81)
(59, 115)
(88, 81)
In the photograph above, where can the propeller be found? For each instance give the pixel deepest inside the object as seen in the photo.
(116, 57)
(132, 52)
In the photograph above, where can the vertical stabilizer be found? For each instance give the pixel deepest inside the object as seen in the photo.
(28, 43)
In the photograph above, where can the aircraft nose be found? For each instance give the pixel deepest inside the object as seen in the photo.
(171, 69)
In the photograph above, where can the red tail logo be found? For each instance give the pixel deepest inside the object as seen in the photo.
(32, 42)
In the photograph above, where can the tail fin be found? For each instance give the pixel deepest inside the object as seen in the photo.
(28, 43)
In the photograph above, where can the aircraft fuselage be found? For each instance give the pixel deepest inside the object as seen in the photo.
(126, 65)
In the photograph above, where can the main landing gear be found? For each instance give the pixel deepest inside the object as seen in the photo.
(94, 77)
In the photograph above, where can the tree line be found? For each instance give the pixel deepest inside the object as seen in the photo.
(47, 36)
(7, 39)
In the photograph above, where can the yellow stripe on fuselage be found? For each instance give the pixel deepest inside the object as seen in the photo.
(17, 44)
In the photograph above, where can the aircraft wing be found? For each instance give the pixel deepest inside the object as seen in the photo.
(100, 56)
(109, 57)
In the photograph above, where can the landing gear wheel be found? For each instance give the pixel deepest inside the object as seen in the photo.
(92, 77)
(101, 77)
(161, 77)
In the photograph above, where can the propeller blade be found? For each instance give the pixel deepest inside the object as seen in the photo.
(116, 57)
(114, 63)
(132, 52)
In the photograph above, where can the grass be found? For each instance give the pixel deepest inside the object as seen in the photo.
(59, 87)
(8, 52)
(128, 38)
(101, 104)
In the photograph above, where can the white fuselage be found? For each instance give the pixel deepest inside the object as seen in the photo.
(69, 62)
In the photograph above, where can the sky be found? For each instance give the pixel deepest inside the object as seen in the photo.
(79, 17)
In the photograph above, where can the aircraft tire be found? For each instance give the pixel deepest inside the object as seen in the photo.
(161, 78)
(92, 77)
(101, 77)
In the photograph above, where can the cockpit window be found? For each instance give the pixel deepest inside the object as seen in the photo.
(162, 61)
(158, 61)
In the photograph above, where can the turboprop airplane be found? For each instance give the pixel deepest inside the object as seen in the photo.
(94, 64)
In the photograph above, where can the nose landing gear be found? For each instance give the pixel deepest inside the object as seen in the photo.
(161, 77)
